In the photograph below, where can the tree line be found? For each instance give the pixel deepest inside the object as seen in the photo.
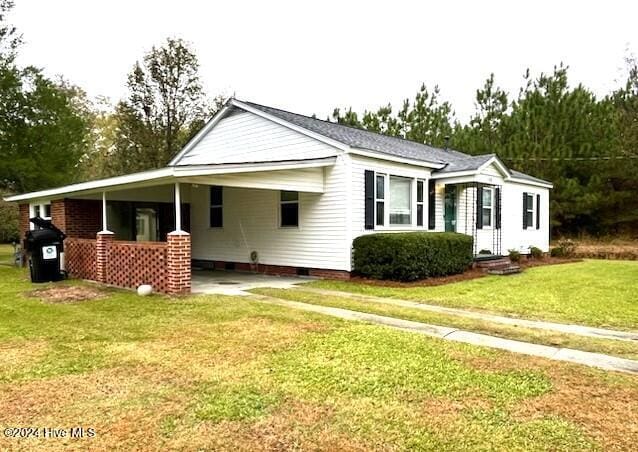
(586, 146)
(52, 133)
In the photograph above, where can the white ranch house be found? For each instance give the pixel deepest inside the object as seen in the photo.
(265, 189)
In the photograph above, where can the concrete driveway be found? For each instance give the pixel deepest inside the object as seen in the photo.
(237, 283)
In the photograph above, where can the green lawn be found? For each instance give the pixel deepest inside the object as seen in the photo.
(230, 373)
(594, 292)
(625, 349)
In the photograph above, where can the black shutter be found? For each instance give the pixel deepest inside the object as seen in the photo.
(538, 211)
(497, 201)
(369, 199)
(431, 204)
(524, 210)
(479, 207)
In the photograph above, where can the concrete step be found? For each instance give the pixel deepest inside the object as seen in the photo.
(509, 270)
(494, 263)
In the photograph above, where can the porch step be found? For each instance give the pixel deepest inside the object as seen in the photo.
(509, 270)
(494, 263)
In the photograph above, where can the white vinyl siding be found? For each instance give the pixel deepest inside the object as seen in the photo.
(252, 223)
(245, 137)
(514, 236)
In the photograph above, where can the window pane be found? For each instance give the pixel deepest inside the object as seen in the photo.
(487, 197)
(47, 211)
(216, 195)
(216, 217)
(380, 187)
(419, 191)
(290, 214)
(419, 215)
(289, 196)
(530, 202)
(400, 200)
(487, 217)
(380, 213)
(36, 211)
(529, 218)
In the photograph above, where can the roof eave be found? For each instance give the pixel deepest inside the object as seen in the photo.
(394, 158)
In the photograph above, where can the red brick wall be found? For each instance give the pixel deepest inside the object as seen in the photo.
(280, 270)
(24, 220)
(79, 218)
(80, 258)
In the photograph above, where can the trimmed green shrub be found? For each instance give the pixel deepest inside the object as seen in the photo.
(408, 256)
(485, 252)
(514, 256)
(535, 252)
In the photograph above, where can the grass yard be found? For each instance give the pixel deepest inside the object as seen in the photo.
(594, 292)
(229, 373)
(624, 349)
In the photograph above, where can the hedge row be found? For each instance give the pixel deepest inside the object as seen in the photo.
(409, 256)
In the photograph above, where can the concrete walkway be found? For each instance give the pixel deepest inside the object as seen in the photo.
(600, 333)
(559, 354)
(238, 283)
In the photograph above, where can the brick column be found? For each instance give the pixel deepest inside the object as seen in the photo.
(178, 266)
(103, 242)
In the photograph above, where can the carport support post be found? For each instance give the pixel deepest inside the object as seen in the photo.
(178, 265)
(102, 244)
(178, 253)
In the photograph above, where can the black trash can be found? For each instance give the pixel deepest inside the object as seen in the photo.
(45, 247)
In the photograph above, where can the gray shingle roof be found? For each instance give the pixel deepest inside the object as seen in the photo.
(524, 176)
(399, 147)
(363, 139)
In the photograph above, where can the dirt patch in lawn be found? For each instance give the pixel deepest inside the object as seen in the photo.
(67, 294)
(606, 412)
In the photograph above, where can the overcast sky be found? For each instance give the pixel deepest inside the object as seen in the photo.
(309, 57)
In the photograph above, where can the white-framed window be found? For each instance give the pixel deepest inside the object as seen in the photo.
(289, 209)
(420, 202)
(42, 210)
(379, 199)
(529, 210)
(487, 211)
(400, 208)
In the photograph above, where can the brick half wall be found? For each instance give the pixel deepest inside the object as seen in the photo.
(166, 266)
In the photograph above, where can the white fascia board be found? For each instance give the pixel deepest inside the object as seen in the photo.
(452, 174)
(199, 135)
(231, 168)
(392, 158)
(334, 143)
(529, 182)
(152, 177)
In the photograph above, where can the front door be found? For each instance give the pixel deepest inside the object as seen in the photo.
(450, 208)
